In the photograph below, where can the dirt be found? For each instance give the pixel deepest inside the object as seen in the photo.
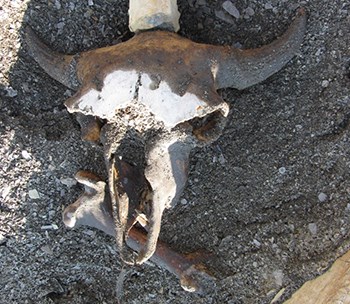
(270, 199)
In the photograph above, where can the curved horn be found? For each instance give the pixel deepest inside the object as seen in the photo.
(60, 67)
(243, 68)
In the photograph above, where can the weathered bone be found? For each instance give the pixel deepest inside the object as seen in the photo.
(167, 83)
(153, 14)
(164, 65)
(93, 208)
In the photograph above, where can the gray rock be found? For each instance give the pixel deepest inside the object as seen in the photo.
(322, 197)
(312, 228)
(229, 7)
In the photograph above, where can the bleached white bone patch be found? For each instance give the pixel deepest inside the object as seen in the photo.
(123, 89)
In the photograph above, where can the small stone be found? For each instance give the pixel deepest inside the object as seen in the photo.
(268, 6)
(322, 197)
(312, 228)
(60, 25)
(222, 159)
(229, 7)
(68, 181)
(255, 264)
(89, 232)
(282, 170)
(90, 2)
(5, 191)
(278, 274)
(33, 194)
(224, 16)
(256, 243)
(249, 11)
(325, 83)
(26, 155)
(47, 249)
(58, 4)
(11, 92)
(49, 227)
(183, 201)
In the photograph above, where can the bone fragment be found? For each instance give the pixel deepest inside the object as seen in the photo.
(193, 277)
(331, 287)
(93, 208)
(151, 14)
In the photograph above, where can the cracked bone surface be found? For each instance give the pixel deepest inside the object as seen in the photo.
(93, 208)
(151, 14)
(160, 90)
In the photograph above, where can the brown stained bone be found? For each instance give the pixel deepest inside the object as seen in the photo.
(184, 65)
(94, 209)
(193, 276)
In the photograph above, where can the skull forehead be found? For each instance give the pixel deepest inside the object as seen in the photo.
(185, 66)
(146, 96)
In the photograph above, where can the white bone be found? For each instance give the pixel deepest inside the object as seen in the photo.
(123, 89)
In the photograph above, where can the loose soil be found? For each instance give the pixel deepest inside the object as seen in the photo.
(270, 199)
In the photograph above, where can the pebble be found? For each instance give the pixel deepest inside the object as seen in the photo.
(5, 191)
(68, 181)
(222, 159)
(60, 25)
(11, 92)
(282, 170)
(49, 227)
(183, 201)
(312, 228)
(229, 7)
(256, 243)
(224, 17)
(26, 155)
(325, 83)
(89, 232)
(47, 249)
(322, 197)
(33, 194)
(268, 6)
(278, 274)
(58, 4)
(249, 11)
(90, 2)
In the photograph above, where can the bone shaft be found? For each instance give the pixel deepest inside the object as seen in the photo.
(163, 255)
(151, 14)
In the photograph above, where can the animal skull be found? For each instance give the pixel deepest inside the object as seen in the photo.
(157, 91)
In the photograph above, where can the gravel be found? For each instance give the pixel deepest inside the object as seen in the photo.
(298, 119)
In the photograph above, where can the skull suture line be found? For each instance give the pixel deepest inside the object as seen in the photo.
(159, 90)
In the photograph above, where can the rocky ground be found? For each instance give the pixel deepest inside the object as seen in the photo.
(270, 199)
